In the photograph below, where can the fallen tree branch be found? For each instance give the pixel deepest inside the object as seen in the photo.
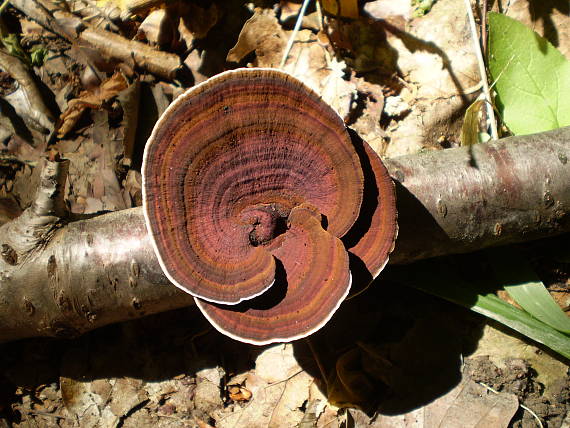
(111, 45)
(29, 105)
(461, 200)
(62, 280)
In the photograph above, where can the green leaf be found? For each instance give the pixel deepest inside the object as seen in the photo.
(524, 286)
(493, 307)
(38, 55)
(12, 45)
(467, 286)
(532, 77)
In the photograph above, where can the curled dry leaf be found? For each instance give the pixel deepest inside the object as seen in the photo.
(158, 28)
(341, 8)
(262, 34)
(197, 20)
(309, 60)
(90, 100)
(239, 393)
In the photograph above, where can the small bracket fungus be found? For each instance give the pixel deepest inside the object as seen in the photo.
(261, 204)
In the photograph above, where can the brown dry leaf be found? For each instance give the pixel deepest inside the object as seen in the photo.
(361, 373)
(133, 187)
(471, 128)
(279, 387)
(342, 8)
(287, 410)
(389, 9)
(433, 56)
(263, 34)
(550, 19)
(468, 405)
(158, 28)
(9, 209)
(90, 99)
(239, 393)
(367, 124)
(289, 10)
(311, 62)
(197, 20)
(207, 397)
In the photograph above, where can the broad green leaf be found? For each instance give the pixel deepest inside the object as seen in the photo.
(445, 279)
(532, 77)
(524, 286)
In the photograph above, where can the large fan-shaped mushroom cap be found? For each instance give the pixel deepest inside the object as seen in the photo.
(294, 307)
(313, 281)
(225, 167)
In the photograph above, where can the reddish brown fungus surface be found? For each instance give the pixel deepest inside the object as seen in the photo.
(240, 140)
(313, 281)
(373, 235)
(250, 181)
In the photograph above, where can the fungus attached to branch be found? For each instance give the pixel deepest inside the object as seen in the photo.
(249, 183)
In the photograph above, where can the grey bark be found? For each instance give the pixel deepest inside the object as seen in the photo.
(59, 279)
(460, 200)
(27, 100)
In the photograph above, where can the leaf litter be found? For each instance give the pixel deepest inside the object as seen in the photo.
(400, 81)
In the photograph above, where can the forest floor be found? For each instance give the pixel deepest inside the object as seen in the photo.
(392, 357)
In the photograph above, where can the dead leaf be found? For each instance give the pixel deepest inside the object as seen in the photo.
(276, 364)
(133, 186)
(360, 377)
(341, 8)
(471, 129)
(197, 20)
(312, 63)
(239, 393)
(207, 397)
(389, 9)
(127, 393)
(279, 387)
(9, 209)
(468, 405)
(289, 12)
(90, 100)
(158, 28)
(263, 34)
(286, 411)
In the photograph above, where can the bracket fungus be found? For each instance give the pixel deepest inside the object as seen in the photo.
(263, 206)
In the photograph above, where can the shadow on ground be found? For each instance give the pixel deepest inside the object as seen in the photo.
(404, 350)
(390, 349)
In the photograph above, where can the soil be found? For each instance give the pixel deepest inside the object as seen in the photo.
(386, 353)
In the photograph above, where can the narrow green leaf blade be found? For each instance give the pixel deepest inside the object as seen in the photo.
(442, 279)
(493, 307)
(524, 286)
(532, 77)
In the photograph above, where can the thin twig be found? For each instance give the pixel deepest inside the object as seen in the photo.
(317, 360)
(482, 72)
(319, 15)
(4, 5)
(294, 34)
(46, 414)
(484, 26)
(285, 380)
